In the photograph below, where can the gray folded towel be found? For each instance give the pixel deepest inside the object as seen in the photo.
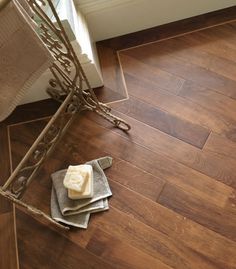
(79, 220)
(77, 212)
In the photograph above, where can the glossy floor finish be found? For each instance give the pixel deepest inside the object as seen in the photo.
(174, 174)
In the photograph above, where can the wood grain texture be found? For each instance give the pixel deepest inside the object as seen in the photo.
(165, 122)
(138, 207)
(177, 105)
(173, 175)
(60, 252)
(136, 179)
(224, 49)
(8, 249)
(221, 145)
(114, 87)
(4, 162)
(8, 258)
(159, 219)
(154, 162)
(165, 80)
(192, 157)
(211, 100)
(32, 111)
(121, 253)
(221, 221)
(107, 49)
(183, 69)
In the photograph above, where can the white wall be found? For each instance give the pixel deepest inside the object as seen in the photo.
(110, 18)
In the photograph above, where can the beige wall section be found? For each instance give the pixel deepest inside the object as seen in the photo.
(110, 18)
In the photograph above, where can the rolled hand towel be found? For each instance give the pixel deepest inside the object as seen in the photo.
(23, 56)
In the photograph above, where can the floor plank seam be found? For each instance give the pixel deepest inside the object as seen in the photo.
(164, 110)
(151, 127)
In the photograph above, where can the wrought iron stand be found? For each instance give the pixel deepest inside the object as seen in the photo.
(65, 87)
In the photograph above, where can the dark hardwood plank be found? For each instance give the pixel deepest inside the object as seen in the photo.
(107, 95)
(221, 221)
(165, 80)
(180, 107)
(183, 69)
(112, 75)
(226, 36)
(78, 144)
(8, 247)
(136, 179)
(9, 252)
(74, 136)
(169, 152)
(32, 111)
(5, 206)
(166, 221)
(206, 41)
(221, 145)
(4, 156)
(208, 163)
(187, 50)
(150, 241)
(22, 136)
(121, 171)
(217, 209)
(216, 204)
(136, 244)
(163, 121)
(120, 253)
(209, 99)
(40, 247)
(157, 163)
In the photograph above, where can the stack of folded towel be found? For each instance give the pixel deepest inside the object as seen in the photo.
(79, 191)
(23, 55)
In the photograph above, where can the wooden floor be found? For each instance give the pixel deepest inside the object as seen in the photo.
(174, 174)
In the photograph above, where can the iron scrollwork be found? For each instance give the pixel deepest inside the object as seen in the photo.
(66, 87)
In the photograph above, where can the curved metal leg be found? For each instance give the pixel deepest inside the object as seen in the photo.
(66, 88)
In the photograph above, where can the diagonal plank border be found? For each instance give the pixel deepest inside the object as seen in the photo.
(108, 50)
